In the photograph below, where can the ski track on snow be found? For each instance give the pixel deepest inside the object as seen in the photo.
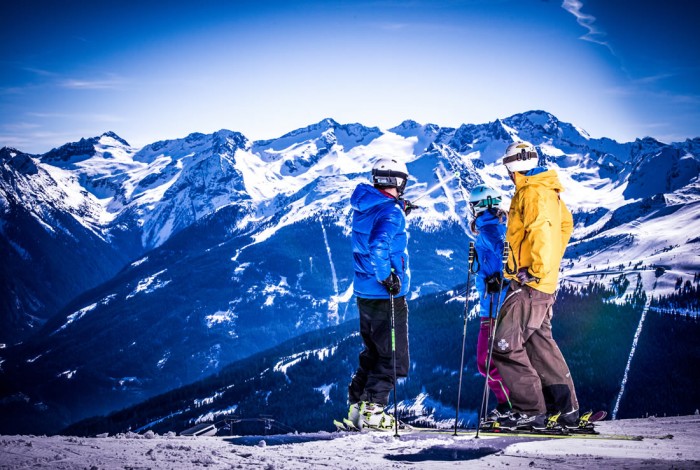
(637, 334)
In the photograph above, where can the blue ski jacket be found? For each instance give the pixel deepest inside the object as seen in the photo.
(379, 242)
(489, 250)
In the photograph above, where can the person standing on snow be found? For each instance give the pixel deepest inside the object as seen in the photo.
(525, 353)
(489, 227)
(382, 276)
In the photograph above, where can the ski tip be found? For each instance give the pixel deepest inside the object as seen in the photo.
(339, 426)
(350, 426)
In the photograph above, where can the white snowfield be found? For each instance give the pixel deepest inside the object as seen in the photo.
(667, 443)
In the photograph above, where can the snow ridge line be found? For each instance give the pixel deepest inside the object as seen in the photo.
(330, 260)
(443, 179)
(647, 304)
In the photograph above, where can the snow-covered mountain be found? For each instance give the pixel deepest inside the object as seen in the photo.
(55, 242)
(212, 247)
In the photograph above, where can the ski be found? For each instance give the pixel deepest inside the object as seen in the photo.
(591, 417)
(348, 426)
(551, 429)
(585, 423)
(539, 434)
(584, 430)
(562, 435)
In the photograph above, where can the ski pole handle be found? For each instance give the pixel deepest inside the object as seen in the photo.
(471, 253)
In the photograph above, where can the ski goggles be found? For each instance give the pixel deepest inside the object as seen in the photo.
(522, 155)
(486, 203)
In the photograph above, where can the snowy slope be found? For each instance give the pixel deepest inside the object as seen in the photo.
(664, 443)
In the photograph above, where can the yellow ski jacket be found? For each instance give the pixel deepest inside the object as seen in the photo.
(539, 228)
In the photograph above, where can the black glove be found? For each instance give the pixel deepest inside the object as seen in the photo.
(392, 284)
(493, 283)
(407, 206)
(524, 276)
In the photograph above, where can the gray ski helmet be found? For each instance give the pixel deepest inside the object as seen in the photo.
(483, 197)
(390, 173)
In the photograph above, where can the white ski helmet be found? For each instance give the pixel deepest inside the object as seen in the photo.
(483, 197)
(520, 156)
(390, 173)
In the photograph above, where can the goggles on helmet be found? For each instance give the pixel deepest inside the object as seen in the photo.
(522, 155)
(487, 203)
(390, 178)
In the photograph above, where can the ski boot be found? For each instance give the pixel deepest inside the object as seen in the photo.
(490, 422)
(568, 420)
(372, 416)
(515, 421)
(501, 411)
(353, 421)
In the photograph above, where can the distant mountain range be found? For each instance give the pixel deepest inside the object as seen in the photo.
(130, 272)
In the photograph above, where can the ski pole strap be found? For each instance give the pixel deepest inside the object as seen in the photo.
(506, 253)
(506, 250)
(473, 259)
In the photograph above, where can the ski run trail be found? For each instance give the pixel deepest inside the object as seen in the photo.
(668, 443)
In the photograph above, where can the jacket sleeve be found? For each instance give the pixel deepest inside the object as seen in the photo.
(538, 231)
(567, 226)
(492, 238)
(380, 238)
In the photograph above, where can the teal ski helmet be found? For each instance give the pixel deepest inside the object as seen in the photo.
(483, 197)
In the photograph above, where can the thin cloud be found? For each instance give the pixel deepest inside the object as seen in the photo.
(79, 84)
(12, 90)
(34, 139)
(40, 72)
(393, 26)
(88, 117)
(643, 88)
(594, 34)
(20, 126)
(654, 79)
(47, 78)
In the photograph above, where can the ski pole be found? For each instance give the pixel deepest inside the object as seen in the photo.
(472, 254)
(492, 335)
(393, 360)
(485, 395)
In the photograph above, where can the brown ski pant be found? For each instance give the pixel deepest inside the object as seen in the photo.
(528, 358)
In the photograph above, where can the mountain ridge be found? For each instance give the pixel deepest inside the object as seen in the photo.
(212, 247)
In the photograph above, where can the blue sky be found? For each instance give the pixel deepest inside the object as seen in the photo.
(151, 71)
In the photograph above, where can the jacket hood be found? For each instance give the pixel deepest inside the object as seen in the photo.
(366, 197)
(486, 218)
(547, 179)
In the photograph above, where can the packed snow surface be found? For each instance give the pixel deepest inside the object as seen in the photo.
(665, 443)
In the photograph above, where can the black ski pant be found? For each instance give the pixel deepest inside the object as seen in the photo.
(374, 378)
(529, 360)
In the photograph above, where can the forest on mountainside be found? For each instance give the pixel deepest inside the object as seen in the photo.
(283, 388)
